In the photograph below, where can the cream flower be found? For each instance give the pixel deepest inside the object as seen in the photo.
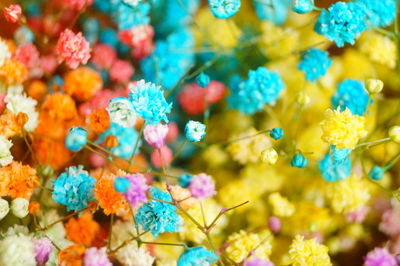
(5, 154)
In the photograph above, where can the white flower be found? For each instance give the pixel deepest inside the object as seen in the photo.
(11, 89)
(16, 250)
(4, 208)
(22, 104)
(130, 255)
(131, 2)
(5, 154)
(19, 207)
(4, 52)
(121, 112)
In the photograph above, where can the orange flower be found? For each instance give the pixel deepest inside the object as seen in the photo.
(37, 90)
(82, 230)
(99, 120)
(9, 126)
(13, 72)
(82, 83)
(71, 256)
(60, 107)
(109, 199)
(20, 180)
(51, 152)
(34, 207)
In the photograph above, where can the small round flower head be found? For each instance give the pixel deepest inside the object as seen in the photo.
(299, 161)
(76, 138)
(336, 165)
(161, 157)
(82, 83)
(156, 216)
(376, 173)
(19, 103)
(132, 255)
(23, 35)
(197, 256)
(257, 262)
(4, 208)
(342, 22)
(224, 8)
(74, 188)
(202, 186)
(351, 94)
(269, 156)
(308, 252)
(120, 110)
(148, 101)
(136, 194)
(379, 13)
(275, 11)
(77, 4)
(73, 48)
(5, 154)
(13, 13)
(195, 131)
(96, 257)
(281, 206)
(303, 6)
(380, 257)
(121, 184)
(342, 129)
(103, 56)
(192, 99)
(202, 80)
(121, 71)
(19, 207)
(184, 180)
(394, 133)
(155, 135)
(276, 133)
(28, 55)
(43, 248)
(17, 249)
(314, 63)
(374, 85)
(274, 224)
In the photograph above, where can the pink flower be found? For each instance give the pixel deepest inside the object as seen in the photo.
(140, 39)
(164, 159)
(96, 257)
(155, 135)
(380, 257)
(27, 54)
(357, 216)
(136, 193)
(78, 4)
(274, 224)
(103, 56)
(99, 101)
(13, 13)
(214, 91)
(48, 63)
(121, 71)
(173, 132)
(390, 221)
(43, 248)
(73, 48)
(202, 186)
(257, 262)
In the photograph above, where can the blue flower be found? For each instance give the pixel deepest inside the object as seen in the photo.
(299, 161)
(74, 188)
(342, 22)
(275, 11)
(109, 36)
(314, 63)
(376, 173)
(262, 87)
(303, 6)
(76, 138)
(128, 17)
(202, 80)
(156, 216)
(184, 180)
(148, 101)
(197, 256)
(351, 94)
(276, 133)
(224, 8)
(121, 184)
(380, 13)
(126, 140)
(336, 165)
(195, 131)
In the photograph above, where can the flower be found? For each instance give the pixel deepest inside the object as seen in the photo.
(82, 83)
(224, 8)
(71, 256)
(161, 157)
(73, 48)
(299, 161)
(197, 256)
(262, 87)
(28, 55)
(257, 262)
(275, 11)
(269, 156)
(74, 188)
(131, 255)
(4, 52)
(136, 194)
(376, 173)
(336, 165)
(342, 22)
(121, 71)
(17, 242)
(351, 94)
(99, 120)
(18, 103)
(202, 186)
(82, 230)
(394, 133)
(103, 56)
(184, 180)
(120, 110)
(5, 154)
(4, 208)
(13, 13)
(13, 71)
(308, 252)
(96, 257)
(374, 85)
(380, 257)
(379, 48)
(155, 135)
(19, 207)
(275, 224)
(379, 13)
(342, 129)
(156, 216)
(77, 4)
(202, 80)
(314, 63)
(195, 131)
(148, 101)
(276, 133)
(76, 138)
(121, 184)
(303, 6)
(281, 206)
(43, 248)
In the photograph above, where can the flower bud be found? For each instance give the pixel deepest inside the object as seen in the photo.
(374, 85)
(302, 98)
(4, 208)
(303, 6)
(19, 207)
(22, 118)
(394, 133)
(111, 141)
(269, 156)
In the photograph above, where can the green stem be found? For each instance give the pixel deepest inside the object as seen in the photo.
(136, 146)
(179, 151)
(110, 233)
(372, 143)
(392, 162)
(165, 244)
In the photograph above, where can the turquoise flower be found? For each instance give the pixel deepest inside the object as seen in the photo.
(299, 161)
(303, 6)
(224, 8)
(202, 80)
(74, 188)
(76, 138)
(156, 216)
(276, 133)
(376, 173)
(184, 180)
(195, 131)
(314, 63)
(197, 256)
(380, 13)
(336, 165)
(275, 11)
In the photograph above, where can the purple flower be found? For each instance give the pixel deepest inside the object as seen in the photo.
(96, 257)
(380, 257)
(136, 193)
(202, 186)
(274, 224)
(155, 135)
(257, 262)
(43, 248)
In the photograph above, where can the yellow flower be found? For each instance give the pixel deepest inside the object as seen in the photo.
(308, 252)
(281, 206)
(342, 129)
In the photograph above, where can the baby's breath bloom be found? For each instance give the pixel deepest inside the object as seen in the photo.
(131, 255)
(195, 130)
(19, 103)
(73, 48)
(17, 249)
(43, 248)
(342, 129)
(281, 206)
(96, 257)
(308, 252)
(394, 133)
(197, 256)
(380, 257)
(5, 154)
(224, 8)
(155, 135)
(4, 208)
(374, 85)
(269, 156)
(19, 207)
(120, 110)
(202, 186)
